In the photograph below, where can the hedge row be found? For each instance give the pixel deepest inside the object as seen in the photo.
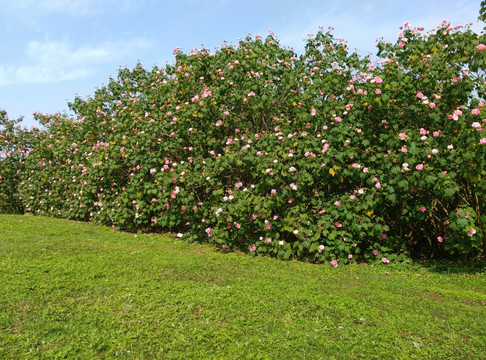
(327, 156)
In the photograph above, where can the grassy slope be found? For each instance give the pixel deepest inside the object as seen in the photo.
(75, 290)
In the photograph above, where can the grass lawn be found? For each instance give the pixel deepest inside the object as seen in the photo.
(78, 291)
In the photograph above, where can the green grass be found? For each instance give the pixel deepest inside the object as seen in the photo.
(78, 291)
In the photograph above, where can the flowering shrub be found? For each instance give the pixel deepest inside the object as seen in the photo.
(328, 156)
(14, 145)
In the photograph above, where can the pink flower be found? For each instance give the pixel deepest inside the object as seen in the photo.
(238, 185)
(439, 239)
(313, 112)
(350, 256)
(377, 185)
(375, 252)
(432, 105)
(334, 263)
(403, 136)
(481, 47)
(401, 44)
(475, 111)
(337, 203)
(377, 91)
(423, 209)
(385, 260)
(482, 141)
(292, 169)
(226, 113)
(378, 80)
(436, 134)
(338, 224)
(420, 95)
(253, 248)
(419, 167)
(274, 191)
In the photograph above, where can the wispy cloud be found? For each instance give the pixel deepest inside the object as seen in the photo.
(361, 22)
(55, 61)
(71, 7)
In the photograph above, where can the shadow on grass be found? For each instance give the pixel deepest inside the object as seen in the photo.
(470, 267)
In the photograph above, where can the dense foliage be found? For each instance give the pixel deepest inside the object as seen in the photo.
(327, 156)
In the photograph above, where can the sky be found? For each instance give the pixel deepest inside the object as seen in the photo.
(54, 50)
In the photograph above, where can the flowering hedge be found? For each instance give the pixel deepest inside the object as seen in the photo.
(327, 156)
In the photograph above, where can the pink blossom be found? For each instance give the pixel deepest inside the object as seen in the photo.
(377, 91)
(313, 112)
(253, 248)
(334, 263)
(403, 136)
(274, 191)
(378, 185)
(226, 113)
(419, 167)
(375, 252)
(440, 239)
(432, 105)
(423, 209)
(475, 111)
(436, 134)
(338, 224)
(378, 80)
(292, 169)
(481, 47)
(337, 203)
(350, 256)
(420, 95)
(401, 44)
(385, 260)
(482, 141)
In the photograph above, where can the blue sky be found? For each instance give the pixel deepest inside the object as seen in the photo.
(55, 49)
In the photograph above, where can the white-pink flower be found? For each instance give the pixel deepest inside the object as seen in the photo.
(481, 47)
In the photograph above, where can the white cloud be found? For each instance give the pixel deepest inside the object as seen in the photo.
(361, 22)
(71, 7)
(54, 61)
